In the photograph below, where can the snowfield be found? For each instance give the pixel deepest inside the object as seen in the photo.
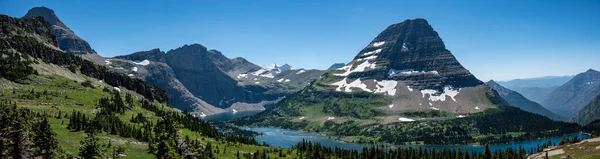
(442, 97)
(348, 86)
(392, 72)
(360, 68)
(386, 86)
(372, 52)
(143, 63)
(378, 44)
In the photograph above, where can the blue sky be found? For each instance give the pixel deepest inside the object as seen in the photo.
(493, 39)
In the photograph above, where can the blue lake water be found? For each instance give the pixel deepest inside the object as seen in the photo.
(288, 138)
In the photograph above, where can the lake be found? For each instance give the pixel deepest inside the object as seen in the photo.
(287, 138)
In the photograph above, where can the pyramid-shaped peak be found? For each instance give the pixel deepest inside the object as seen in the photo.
(591, 71)
(46, 13)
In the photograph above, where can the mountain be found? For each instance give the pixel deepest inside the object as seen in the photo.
(571, 97)
(271, 70)
(206, 82)
(68, 41)
(535, 94)
(404, 87)
(517, 100)
(540, 82)
(589, 113)
(536, 89)
(336, 66)
(69, 104)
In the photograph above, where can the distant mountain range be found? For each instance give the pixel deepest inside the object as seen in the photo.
(536, 89)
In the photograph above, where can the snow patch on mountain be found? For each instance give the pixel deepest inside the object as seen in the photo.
(367, 58)
(299, 72)
(143, 63)
(404, 48)
(345, 67)
(280, 80)
(287, 80)
(107, 62)
(372, 52)
(268, 75)
(392, 72)
(134, 69)
(409, 89)
(243, 75)
(442, 97)
(348, 86)
(378, 44)
(386, 86)
(360, 68)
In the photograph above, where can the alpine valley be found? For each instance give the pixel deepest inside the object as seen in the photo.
(404, 95)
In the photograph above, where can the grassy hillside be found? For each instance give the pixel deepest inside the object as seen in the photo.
(58, 96)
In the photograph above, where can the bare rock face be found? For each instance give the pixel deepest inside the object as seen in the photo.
(67, 40)
(411, 51)
(199, 71)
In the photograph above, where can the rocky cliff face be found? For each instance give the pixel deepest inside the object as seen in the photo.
(200, 73)
(207, 82)
(152, 55)
(571, 97)
(517, 100)
(408, 60)
(67, 40)
(589, 113)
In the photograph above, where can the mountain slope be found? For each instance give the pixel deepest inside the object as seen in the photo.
(589, 113)
(517, 100)
(128, 117)
(404, 87)
(68, 41)
(336, 66)
(571, 97)
(206, 82)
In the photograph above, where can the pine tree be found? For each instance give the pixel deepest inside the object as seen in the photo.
(91, 147)
(45, 142)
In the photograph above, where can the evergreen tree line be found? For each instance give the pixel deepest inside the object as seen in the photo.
(24, 134)
(306, 149)
(15, 66)
(14, 36)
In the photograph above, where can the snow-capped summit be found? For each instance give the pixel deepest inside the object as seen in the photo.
(271, 70)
